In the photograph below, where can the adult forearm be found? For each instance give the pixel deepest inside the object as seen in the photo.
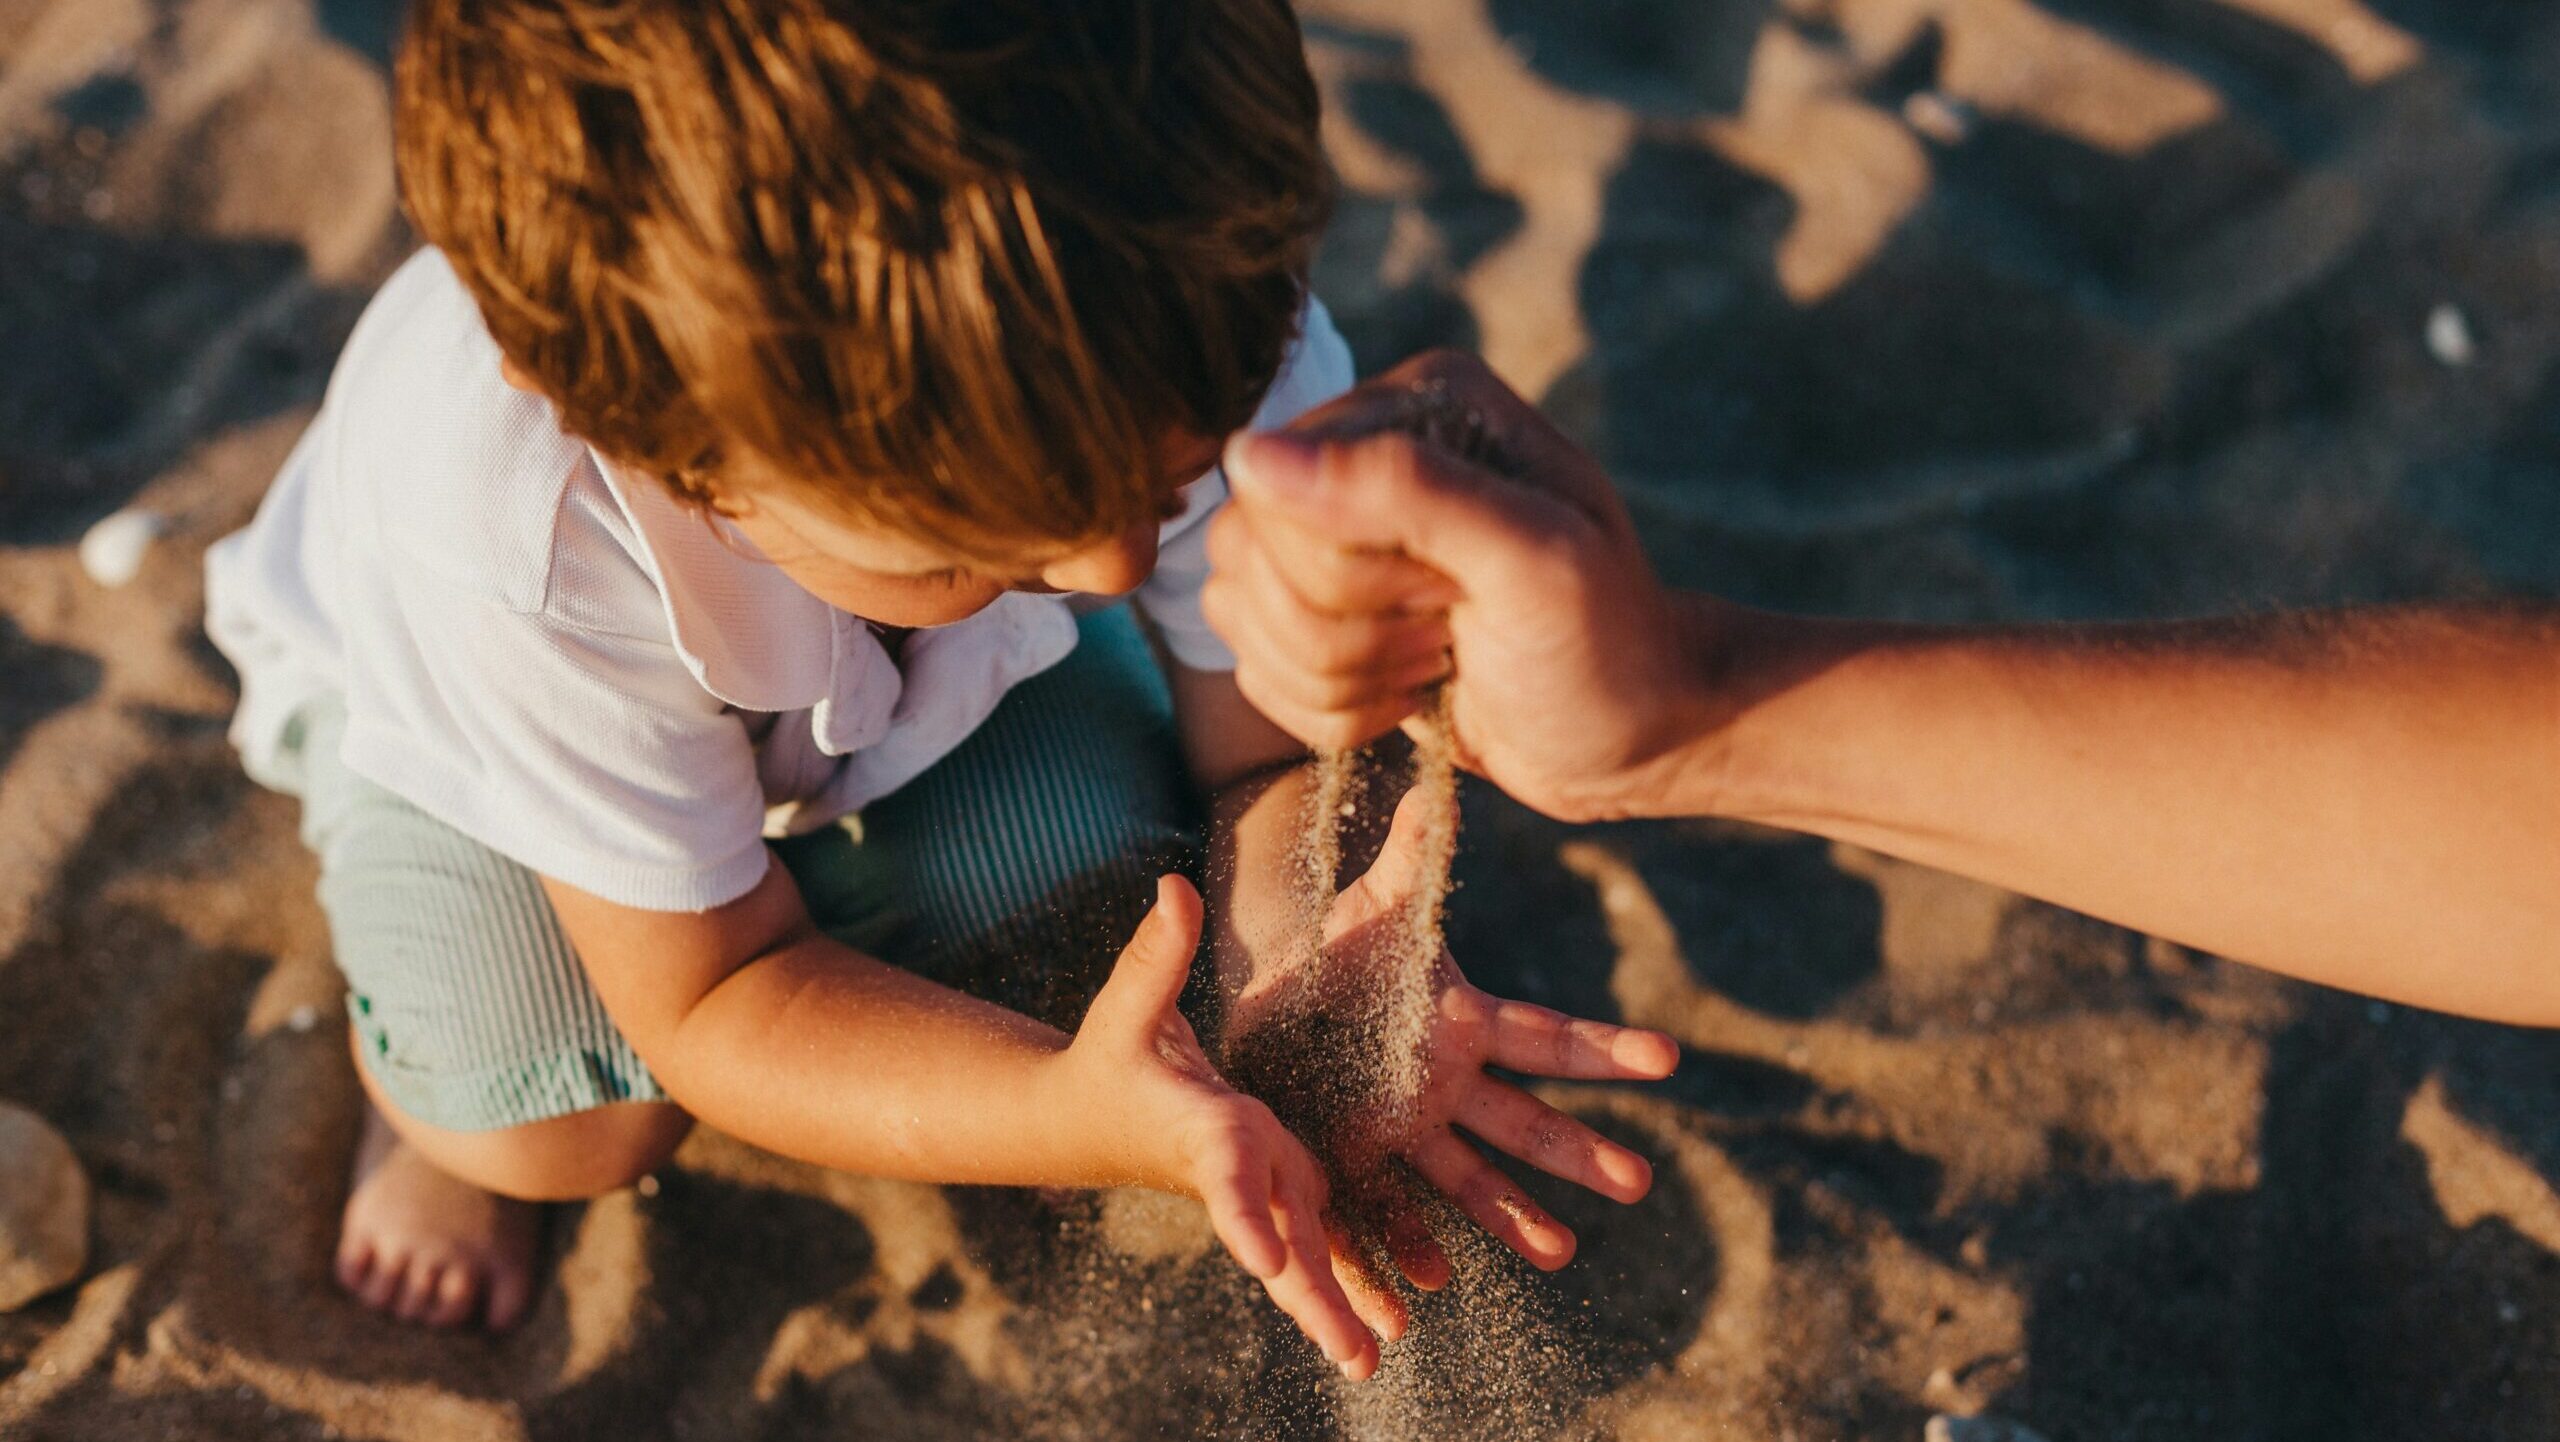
(2370, 800)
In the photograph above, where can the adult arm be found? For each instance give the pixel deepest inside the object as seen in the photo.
(2367, 799)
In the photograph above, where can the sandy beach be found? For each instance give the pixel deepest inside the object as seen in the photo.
(1959, 309)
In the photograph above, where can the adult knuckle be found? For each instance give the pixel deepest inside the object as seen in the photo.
(1344, 693)
(1224, 536)
(1337, 731)
(1342, 645)
(1217, 601)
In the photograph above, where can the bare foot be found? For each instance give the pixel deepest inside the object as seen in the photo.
(426, 1246)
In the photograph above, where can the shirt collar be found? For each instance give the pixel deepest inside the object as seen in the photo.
(753, 638)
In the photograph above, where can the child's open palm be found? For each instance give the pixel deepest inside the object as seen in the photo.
(1185, 1129)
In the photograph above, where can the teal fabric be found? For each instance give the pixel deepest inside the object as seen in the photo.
(1014, 868)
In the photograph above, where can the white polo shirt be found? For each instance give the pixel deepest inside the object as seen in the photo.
(566, 664)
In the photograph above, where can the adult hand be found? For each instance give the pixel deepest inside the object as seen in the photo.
(1432, 528)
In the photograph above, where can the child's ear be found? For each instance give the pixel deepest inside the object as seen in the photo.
(515, 375)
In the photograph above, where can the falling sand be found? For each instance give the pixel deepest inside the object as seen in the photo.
(1341, 1054)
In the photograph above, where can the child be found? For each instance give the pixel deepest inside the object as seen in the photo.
(690, 598)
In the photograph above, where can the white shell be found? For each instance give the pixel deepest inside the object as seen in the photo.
(113, 550)
(44, 1209)
(2449, 336)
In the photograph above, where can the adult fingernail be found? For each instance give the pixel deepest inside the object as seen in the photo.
(1272, 459)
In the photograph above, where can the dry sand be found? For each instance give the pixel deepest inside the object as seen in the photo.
(1947, 308)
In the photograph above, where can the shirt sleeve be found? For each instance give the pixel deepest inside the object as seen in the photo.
(591, 757)
(1317, 369)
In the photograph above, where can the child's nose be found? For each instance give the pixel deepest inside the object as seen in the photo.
(1114, 568)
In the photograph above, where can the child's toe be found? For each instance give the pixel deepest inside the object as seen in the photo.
(354, 1265)
(418, 1293)
(510, 1289)
(381, 1290)
(457, 1292)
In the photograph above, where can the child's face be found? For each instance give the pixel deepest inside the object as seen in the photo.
(898, 581)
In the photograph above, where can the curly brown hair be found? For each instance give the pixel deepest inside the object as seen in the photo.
(953, 266)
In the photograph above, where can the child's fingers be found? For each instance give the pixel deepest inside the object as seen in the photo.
(1371, 1297)
(1416, 1253)
(1307, 1290)
(1238, 1196)
(1554, 1143)
(1151, 970)
(1541, 1042)
(1495, 1201)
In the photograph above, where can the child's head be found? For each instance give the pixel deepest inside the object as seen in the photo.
(937, 297)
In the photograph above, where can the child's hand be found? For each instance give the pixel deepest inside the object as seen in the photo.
(1467, 1032)
(1182, 1128)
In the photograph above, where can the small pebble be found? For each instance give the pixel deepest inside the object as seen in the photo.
(1939, 116)
(113, 550)
(304, 1017)
(44, 1209)
(2449, 336)
(1943, 1428)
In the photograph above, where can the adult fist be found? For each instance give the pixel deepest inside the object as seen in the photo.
(1432, 529)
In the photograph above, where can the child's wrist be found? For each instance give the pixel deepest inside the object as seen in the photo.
(1095, 1125)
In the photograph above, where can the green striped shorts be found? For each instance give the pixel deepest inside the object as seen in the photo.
(1015, 868)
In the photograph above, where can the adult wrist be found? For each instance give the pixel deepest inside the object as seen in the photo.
(1738, 756)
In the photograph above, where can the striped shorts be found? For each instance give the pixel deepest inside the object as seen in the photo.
(1015, 868)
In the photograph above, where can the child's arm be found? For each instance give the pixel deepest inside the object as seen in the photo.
(765, 1028)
